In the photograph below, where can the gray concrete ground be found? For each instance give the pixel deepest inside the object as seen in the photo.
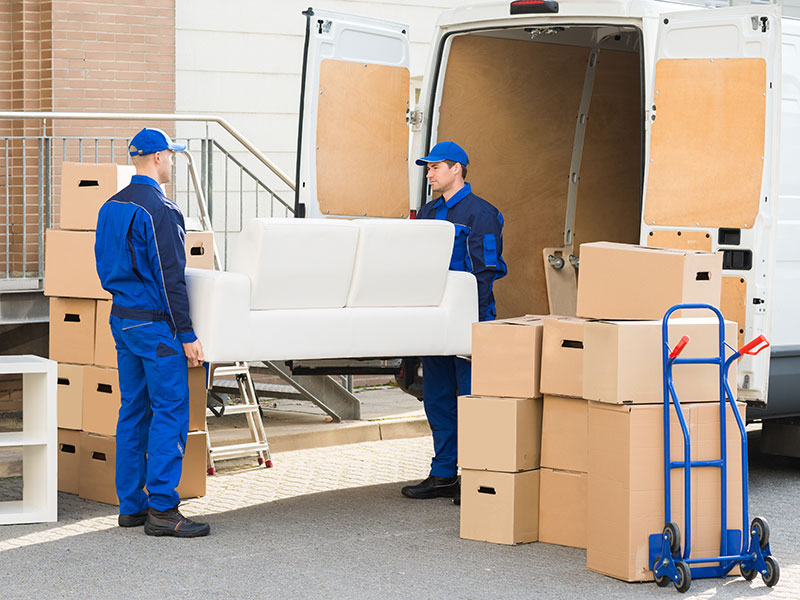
(330, 522)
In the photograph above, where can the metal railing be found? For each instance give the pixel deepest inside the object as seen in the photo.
(233, 183)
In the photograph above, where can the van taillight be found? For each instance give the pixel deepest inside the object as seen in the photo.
(412, 214)
(521, 7)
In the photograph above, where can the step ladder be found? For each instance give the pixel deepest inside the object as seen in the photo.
(250, 408)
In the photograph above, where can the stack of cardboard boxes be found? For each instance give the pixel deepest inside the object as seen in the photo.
(622, 379)
(564, 479)
(82, 343)
(601, 475)
(499, 433)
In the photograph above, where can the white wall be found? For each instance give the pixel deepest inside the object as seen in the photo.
(242, 59)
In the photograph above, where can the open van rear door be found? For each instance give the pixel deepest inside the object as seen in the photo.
(352, 155)
(711, 179)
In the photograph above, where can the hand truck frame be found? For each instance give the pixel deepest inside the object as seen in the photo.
(752, 552)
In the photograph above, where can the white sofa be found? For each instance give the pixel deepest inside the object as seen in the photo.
(323, 288)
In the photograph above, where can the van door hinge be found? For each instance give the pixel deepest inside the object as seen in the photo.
(761, 23)
(414, 119)
(323, 26)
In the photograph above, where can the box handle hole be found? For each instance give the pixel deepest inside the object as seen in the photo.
(486, 490)
(72, 318)
(104, 388)
(572, 344)
(88, 183)
(703, 276)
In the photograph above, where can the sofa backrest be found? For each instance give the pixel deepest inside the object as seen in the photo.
(296, 263)
(401, 262)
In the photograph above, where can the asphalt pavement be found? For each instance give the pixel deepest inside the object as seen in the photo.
(330, 522)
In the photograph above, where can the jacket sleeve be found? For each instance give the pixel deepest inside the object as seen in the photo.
(486, 254)
(168, 259)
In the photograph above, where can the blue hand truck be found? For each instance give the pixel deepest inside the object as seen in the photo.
(751, 552)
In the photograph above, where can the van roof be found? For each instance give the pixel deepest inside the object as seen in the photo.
(497, 10)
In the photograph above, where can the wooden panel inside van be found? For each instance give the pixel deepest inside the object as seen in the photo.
(512, 105)
(734, 305)
(707, 142)
(680, 240)
(362, 139)
(608, 206)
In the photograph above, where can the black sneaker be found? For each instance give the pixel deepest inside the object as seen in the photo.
(172, 522)
(134, 520)
(432, 487)
(457, 497)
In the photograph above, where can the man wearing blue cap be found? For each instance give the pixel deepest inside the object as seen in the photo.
(478, 249)
(141, 260)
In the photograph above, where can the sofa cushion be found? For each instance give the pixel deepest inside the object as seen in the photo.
(401, 263)
(296, 263)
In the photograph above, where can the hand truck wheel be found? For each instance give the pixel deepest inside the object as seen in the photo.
(672, 530)
(684, 581)
(748, 574)
(662, 581)
(773, 574)
(762, 530)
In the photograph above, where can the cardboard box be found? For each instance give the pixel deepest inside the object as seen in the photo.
(562, 357)
(506, 357)
(197, 398)
(105, 351)
(70, 396)
(84, 189)
(193, 476)
(69, 455)
(499, 434)
(69, 265)
(97, 459)
(565, 433)
(101, 400)
(72, 323)
(626, 484)
(98, 456)
(500, 507)
(200, 249)
(622, 360)
(623, 281)
(563, 507)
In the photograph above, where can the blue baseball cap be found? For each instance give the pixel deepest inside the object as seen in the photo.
(149, 141)
(445, 151)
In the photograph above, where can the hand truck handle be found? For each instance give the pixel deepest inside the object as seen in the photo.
(754, 347)
(679, 347)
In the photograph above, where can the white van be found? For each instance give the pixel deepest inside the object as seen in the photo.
(635, 121)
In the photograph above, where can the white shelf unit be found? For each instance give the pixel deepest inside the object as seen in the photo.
(37, 439)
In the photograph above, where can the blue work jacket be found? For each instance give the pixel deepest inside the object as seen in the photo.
(140, 253)
(478, 245)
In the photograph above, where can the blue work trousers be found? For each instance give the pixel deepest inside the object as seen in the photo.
(444, 379)
(154, 415)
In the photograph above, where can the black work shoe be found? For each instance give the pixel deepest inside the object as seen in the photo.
(134, 520)
(457, 497)
(173, 523)
(432, 487)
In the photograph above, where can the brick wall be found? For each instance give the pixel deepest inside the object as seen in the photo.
(74, 56)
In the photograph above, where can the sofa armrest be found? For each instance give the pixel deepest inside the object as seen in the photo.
(460, 301)
(219, 305)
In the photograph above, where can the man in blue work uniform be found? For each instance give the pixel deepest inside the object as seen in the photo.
(141, 260)
(478, 249)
